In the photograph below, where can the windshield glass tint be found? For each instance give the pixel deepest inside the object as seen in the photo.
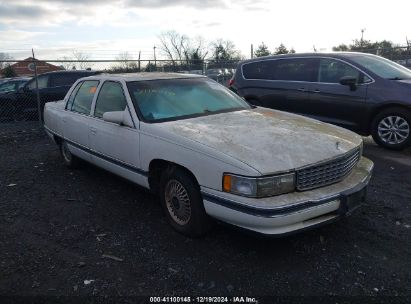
(171, 99)
(383, 67)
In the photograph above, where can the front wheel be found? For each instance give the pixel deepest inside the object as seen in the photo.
(182, 203)
(391, 128)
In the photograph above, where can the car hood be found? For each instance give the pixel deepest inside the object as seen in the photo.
(267, 140)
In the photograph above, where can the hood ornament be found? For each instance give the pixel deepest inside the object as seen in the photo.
(337, 145)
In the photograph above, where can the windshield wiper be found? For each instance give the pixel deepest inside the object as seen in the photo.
(395, 78)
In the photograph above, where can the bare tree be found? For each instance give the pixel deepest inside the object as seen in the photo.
(183, 50)
(124, 63)
(82, 59)
(4, 56)
(124, 59)
(174, 46)
(66, 63)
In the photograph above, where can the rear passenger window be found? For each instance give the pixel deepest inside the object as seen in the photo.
(84, 97)
(299, 69)
(331, 71)
(294, 69)
(111, 98)
(72, 96)
(259, 70)
(65, 79)
(42, 81)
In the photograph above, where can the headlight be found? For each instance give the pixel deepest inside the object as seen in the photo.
(259, 186)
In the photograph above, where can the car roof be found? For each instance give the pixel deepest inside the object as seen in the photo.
(16, 79)
(329, 54)
(143, 76)
(71, 72)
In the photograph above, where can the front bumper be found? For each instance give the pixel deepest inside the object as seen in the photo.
(293, 211)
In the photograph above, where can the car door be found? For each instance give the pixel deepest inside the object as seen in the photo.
(76, 118)
(333, 102)
(286, 83)
(60, 84)
(115, 147)
(26, 98)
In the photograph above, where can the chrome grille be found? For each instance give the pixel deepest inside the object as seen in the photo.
(328, 172)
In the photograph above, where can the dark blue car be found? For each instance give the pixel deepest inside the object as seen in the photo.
(21, 104)
(362, 92)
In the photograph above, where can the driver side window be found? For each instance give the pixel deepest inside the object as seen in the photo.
(110, 98)
(331, 71)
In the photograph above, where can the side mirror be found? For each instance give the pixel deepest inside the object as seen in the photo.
(349, 81)
(121, 118)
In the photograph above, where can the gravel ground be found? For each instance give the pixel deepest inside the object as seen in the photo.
(87, 232)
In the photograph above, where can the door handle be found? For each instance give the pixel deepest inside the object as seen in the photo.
(93, 130)
(302, 89)
(317, 91)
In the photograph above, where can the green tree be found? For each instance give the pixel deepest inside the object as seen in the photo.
(150, 67)
(225, 50)
(342, 48)
(281, 49)
(262, 50)
(383, 48)
(8, 71)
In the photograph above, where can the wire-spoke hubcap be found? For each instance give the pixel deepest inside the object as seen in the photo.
(393, 130)
(66, 153)
(178, 202)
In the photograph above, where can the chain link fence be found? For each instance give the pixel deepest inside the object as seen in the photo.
(23, 96)
(401, 54)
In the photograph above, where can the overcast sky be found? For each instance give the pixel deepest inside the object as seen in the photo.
(106, 27)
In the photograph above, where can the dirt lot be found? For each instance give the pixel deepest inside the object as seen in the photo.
(57, 227)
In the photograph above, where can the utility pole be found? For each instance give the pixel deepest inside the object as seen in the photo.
(37, 89)
(252, 51)
(139, 66)
(155, 59)
(362, 36)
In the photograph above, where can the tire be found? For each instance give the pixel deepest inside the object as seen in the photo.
(69, 159)
(182, 203)
(391, 128)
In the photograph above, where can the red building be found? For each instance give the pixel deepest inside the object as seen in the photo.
(26, 67)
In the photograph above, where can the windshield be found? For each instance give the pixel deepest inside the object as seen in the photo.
(172, 99)
(11, 86)
(383, 67)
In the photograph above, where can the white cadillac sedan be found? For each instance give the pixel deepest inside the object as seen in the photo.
(209, 154)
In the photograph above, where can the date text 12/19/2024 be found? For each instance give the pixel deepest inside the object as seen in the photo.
(234, 299)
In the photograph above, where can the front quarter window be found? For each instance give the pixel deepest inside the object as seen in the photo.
(382, 67)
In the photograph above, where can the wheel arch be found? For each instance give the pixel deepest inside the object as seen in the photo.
(157, 166)
(382, 107)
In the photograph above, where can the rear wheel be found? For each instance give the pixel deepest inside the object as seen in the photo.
(391, 128)
(69, 159)
(182, 203)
